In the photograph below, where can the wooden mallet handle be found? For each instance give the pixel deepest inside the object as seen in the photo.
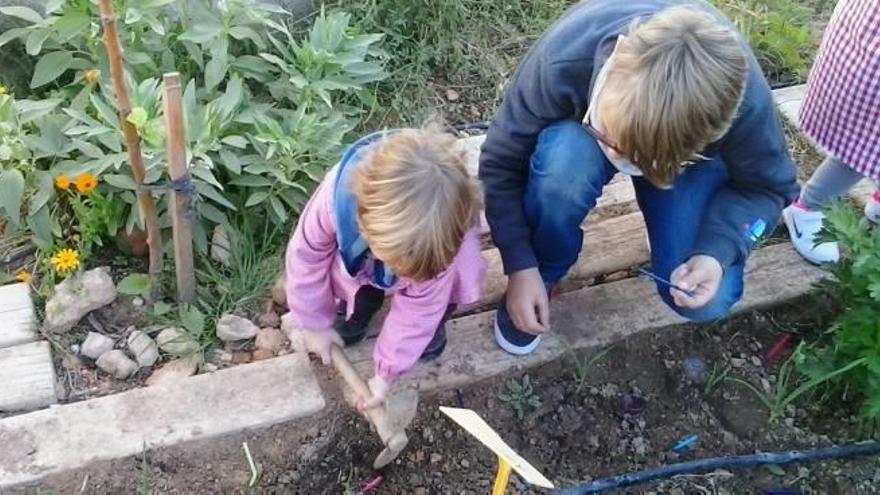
(394, 440)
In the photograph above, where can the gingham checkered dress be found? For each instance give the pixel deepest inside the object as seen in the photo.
(841, 110)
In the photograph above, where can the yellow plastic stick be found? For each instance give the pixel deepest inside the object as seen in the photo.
(502, 477)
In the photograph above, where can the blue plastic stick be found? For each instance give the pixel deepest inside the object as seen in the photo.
(687, 442)
(665, 282)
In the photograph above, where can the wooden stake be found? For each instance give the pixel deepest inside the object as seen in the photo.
(181, 201)
(145, 199)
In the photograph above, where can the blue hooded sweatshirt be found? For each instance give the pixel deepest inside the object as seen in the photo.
(555, 82)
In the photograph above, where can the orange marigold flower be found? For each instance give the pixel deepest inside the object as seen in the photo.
(62, 182)
(23, 276)
(92, 75)
(65, 260)
(86, 183)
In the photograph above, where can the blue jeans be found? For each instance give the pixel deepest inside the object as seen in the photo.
(566, 177)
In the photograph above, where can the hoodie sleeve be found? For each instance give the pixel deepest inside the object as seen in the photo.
(761, 178)
(541, 92)
(311, 253)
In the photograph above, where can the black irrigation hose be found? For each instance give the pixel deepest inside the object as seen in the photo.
(709, 465)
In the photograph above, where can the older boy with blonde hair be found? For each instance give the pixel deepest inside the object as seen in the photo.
(666, 91)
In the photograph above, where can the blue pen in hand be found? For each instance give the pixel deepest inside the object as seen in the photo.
(665, 282)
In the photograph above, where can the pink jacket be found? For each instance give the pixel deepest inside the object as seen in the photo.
(316, 278)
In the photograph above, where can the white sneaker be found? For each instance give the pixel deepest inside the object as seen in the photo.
(803, 228)
(872, 208)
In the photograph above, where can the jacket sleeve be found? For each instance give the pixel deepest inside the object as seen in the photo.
(416, 312)
(761, 178)
(311, 253)
(539, 94)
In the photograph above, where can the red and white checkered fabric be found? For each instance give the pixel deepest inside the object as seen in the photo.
(841, 110)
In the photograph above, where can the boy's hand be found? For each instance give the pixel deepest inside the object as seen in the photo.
(527, 301)
(319, 341)
(380, 389)
(702, 276)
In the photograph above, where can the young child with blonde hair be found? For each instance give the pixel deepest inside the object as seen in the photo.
(398, 214)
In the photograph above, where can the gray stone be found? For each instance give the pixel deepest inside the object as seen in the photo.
(143, 348)
(231, 328)
(177, 341)
(270, 319)
(221, 248)
(76, 296)
(205, 406)
(270, 339)
(174, 371)
(117, 364)
(294, 334)
(95, 345)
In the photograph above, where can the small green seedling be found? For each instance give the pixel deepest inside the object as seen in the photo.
(716, 378)
(520, 396)
(144, 475)
(581, 365)
(790, 386)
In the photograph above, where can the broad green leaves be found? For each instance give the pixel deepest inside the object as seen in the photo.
(50, 67)
(266, 111)
(11, 194)
(136, 284)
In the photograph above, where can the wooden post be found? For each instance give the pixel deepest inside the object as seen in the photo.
(180, 201)
(145, 199)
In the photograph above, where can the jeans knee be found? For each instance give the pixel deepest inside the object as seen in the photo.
(567, 163)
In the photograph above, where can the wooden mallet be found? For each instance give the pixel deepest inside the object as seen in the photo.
(390, 419)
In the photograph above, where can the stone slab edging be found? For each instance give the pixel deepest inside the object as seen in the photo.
(74, 435)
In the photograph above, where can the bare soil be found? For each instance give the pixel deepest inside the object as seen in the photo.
(578, 433)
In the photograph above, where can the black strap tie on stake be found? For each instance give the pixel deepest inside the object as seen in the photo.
(183, 185)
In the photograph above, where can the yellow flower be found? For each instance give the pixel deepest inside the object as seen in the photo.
(23, 276)
(3, 89)
(86, 183)
(62, 182)
(92, 75)
(65, 260)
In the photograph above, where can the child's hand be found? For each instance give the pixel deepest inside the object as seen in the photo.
(319, 341)
(527, 302)
(702, 276)
(380, 389)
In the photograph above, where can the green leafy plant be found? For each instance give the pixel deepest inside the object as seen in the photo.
(520, 396)
(790, 385)
(582, 365)
(854, 336)
(135, 284)
(779, 32)
(266, 112)
(254, 261)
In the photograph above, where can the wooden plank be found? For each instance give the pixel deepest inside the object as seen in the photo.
(17, 320)
(228, 401)
(27, 377)
(594, 316)
(609, 246)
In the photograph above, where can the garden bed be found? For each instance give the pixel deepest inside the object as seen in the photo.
(576, 434)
